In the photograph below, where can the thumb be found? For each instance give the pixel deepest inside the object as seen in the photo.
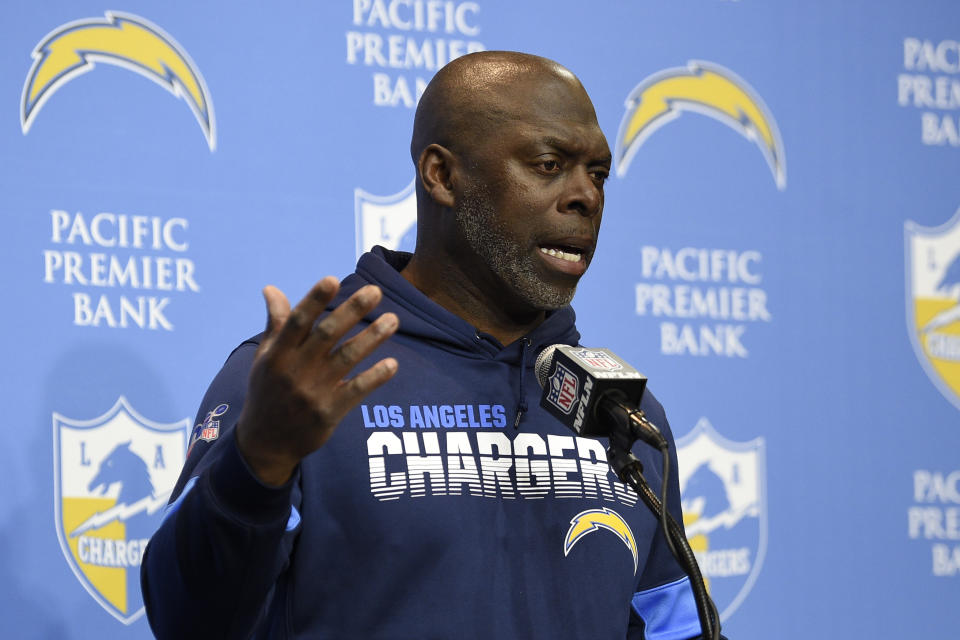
(278, 310)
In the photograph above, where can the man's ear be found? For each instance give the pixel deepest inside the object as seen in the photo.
(437, 168)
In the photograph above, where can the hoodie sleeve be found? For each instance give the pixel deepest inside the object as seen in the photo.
(210, 569)
(663, 608)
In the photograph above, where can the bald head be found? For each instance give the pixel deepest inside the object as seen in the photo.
(511, 164)
(474, 94)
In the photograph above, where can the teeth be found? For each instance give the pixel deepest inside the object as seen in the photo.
(569, 257)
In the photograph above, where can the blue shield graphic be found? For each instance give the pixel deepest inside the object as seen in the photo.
(390, 221)
(933, 301)
(113, 475)
(723, 491)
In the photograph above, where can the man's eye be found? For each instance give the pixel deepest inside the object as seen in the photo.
(600, 175)
(550, 166)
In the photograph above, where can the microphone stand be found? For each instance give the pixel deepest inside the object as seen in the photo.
(628, 468)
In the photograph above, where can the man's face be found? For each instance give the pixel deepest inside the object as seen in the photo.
(532, 205)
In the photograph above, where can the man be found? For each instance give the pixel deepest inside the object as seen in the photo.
(439, 502)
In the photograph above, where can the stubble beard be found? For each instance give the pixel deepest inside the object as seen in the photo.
(488, 237)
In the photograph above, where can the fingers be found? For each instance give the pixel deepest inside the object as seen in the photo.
(357, 388)
(347, 355)
(315, 342)
(297, 391)
(332, 328)
(298, 322)
(278, 308)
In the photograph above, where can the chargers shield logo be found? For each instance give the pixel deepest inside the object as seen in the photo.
(390, 221)
(112, 477)
(723, 492)
(933, 301)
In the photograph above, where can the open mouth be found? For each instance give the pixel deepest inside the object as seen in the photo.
(566, 257)
(570, 254)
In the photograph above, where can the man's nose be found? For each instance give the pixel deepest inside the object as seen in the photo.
(582, 194)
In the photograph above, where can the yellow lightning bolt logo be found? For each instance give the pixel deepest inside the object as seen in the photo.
(595, 519)
(708, 89)
(123, 40)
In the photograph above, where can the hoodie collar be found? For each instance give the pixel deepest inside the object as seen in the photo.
(422, 318)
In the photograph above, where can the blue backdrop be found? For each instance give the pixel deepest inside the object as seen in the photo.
(780, 254)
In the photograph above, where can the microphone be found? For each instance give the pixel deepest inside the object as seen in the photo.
(595, 393)
(592, 392)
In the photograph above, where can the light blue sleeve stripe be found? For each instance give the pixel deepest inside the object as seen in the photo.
(171, 508)
(294, 520)
(669, 611)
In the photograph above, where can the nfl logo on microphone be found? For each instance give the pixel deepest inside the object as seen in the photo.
(564, 388)
(596, 359)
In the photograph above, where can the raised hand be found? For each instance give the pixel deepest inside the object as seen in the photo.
(298, 390)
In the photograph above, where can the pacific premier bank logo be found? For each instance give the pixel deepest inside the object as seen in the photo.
(113, 475)
(403, 43)
(933, 301)
(119, 39)
(723, 492)
(930, 81)
(705, 298)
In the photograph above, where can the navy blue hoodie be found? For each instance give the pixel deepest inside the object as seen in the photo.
(432, 512)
